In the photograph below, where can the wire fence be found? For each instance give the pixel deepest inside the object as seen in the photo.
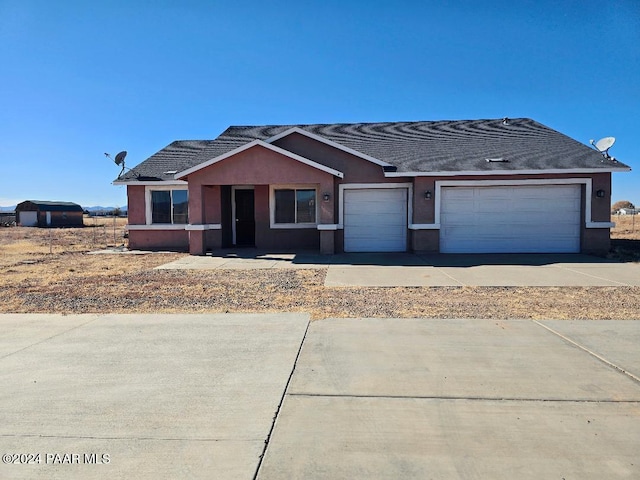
(98, 233)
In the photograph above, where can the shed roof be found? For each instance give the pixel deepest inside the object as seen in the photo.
(47, 206)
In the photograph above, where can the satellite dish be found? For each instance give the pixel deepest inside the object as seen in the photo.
(605, 143)
(120, 158)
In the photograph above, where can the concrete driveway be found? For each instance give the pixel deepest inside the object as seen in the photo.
(411, 270)
(276, 397)
(503, 270)
(469, 399)
(141, 396)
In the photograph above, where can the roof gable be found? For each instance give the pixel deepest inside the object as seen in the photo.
(326, 141)
(258, 143)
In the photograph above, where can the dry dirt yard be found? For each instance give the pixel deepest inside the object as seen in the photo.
(49, 271)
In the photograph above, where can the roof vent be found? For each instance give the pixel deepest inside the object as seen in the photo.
(505, 121)
(171, 172)
(497, 160)
(389, 168)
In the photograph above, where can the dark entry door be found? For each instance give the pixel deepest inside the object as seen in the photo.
(245, 218)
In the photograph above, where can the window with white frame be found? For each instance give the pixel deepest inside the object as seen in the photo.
(170, 206)
(294, 206)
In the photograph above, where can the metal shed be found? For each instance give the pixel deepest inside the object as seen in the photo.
(36, 213)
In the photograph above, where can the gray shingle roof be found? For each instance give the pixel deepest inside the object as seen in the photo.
(433, 146)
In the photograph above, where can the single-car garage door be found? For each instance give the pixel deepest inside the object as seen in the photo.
(513, 219)
(375, 220)
(28, 219)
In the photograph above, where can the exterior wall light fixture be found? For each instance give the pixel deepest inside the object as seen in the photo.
(428, 195)
(600, 193)
(326, 197)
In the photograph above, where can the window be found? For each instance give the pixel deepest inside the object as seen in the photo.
(170, 206)
(295, 206)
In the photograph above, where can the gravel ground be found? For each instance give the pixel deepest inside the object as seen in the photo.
(143, 290)
(48, 271)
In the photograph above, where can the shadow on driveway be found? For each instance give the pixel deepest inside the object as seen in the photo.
(409, 259)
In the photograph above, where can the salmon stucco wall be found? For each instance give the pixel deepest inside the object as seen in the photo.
(159, 240)
(423, 208)
(425, 241)
(601, 207)
(597, 241)
(259, 167)
(136, 204)
(355, 169)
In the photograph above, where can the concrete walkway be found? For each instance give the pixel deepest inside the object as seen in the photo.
(410, 270)
(276, 397)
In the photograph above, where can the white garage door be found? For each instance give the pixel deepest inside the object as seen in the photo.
(375, 220)
(515, 219)
(28, 219)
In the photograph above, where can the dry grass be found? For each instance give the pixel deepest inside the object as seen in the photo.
(627, 227)
(67, 280)
(625, 238)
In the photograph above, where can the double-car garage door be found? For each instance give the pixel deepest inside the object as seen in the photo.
(475, 219)
(510, 219)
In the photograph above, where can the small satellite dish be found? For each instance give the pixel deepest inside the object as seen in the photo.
(605, 143)
(120, 158)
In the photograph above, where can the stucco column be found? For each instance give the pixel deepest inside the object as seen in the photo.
(327, 242)
(424, 239)
(327, 217)
(197, 245)
(597, 241)
(196, 242)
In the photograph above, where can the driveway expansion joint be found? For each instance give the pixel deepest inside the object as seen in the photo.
(594, 354)
(279, 408)
(474, 399)
(106, 437)
(621, 284)
(52, 336)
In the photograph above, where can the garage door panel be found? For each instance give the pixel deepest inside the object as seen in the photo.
(364, 227)
(387, 208)
(373, 231)
(462, 218)
(375, 220)
(28, 219)
(510, 219)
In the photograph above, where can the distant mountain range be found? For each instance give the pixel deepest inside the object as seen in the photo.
(105, 209)
(94, 209)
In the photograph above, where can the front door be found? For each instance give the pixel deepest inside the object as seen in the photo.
(245, 223)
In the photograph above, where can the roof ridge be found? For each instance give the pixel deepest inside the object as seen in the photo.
(275, 125)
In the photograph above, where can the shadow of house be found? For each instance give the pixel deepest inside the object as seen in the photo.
(35, 213)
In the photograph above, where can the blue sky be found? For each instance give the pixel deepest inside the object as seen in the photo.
(80, 78)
